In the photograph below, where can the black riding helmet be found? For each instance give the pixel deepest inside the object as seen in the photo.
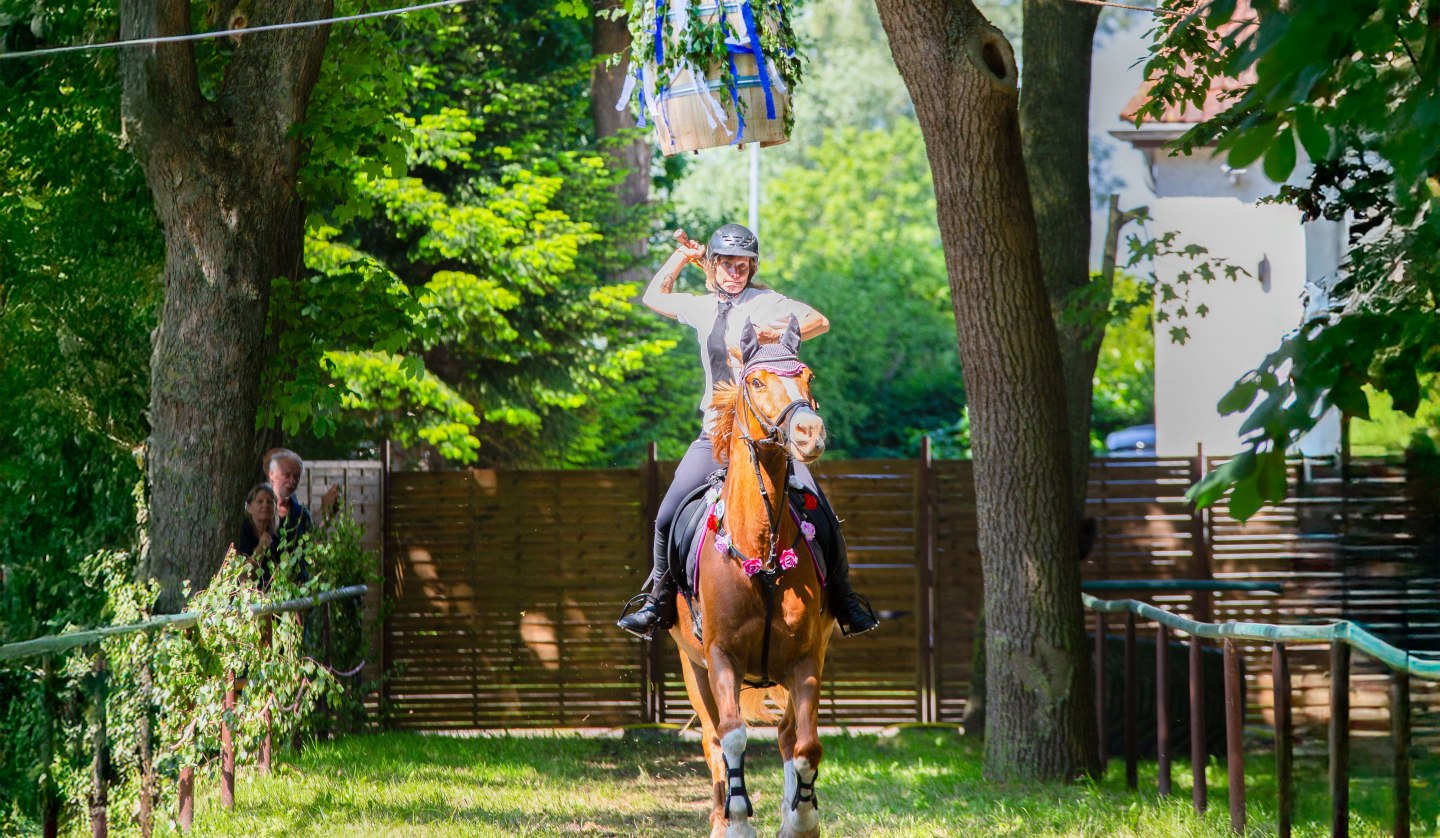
(734, 240)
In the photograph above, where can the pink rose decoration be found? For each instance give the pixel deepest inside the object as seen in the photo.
(750, 566)
(788, 558)
(808, 529)
(722, 542)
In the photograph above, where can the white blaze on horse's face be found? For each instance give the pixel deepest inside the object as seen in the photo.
(805, 429)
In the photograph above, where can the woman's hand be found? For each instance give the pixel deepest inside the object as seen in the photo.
(265, 541)
(693, 250)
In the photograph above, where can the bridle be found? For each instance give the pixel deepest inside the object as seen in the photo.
(775, 434)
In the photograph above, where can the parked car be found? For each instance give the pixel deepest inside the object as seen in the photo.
(1134, 441)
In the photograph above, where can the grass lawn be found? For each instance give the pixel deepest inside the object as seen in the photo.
(918, 783)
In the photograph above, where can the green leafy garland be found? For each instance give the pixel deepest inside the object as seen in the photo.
(702, 42)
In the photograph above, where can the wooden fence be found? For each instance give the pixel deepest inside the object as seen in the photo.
(507, 584)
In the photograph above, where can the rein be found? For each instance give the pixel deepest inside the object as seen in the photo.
(774, 435)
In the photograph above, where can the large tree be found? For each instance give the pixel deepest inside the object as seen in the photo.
(220, 154)
(962, 76)
(1055, 136)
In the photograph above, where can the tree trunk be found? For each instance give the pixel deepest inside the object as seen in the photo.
(1055, 134)
(961, 74)
(630, 153)
(223, 176)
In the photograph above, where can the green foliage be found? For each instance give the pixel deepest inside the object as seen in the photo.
(1353, 83)
(1124, 388)
(888, 367)
(1171, 297)
(1391, 431)
(456, 303)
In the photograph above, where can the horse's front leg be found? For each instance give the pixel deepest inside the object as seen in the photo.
(799, 811)
(725, 677)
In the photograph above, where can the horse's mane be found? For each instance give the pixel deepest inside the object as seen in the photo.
(725, 398)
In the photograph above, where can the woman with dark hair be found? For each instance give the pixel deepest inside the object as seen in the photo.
(259, 532)
(730, 261)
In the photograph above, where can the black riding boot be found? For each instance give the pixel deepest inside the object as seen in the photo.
(852, 611)
(659, 605)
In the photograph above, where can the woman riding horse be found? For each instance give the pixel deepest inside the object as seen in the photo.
(730, 262)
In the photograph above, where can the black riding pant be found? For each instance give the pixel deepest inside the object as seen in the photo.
(697, 464)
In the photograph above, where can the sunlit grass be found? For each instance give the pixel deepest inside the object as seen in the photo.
(920, 783)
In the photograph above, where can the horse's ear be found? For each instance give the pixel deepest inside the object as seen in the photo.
(749, 343)
(791, 339)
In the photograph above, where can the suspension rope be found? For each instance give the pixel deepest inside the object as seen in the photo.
(204, 36)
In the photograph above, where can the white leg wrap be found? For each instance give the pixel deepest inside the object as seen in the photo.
(804, 818)
(733, 746)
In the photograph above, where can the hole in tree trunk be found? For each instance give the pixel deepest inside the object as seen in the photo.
(994, 60)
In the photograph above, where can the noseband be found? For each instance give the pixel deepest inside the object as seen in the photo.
(775, 430)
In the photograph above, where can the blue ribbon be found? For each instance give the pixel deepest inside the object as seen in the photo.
(734, 86)
(659, 34)
(640, 94)
(749, 15)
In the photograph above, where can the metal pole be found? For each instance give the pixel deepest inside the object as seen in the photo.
(1132, 744)
(755, 188)
(1339, 739)
(1235, 736)
(1199, 752)
(227, 746)
(1162, 708)
(1284, 749)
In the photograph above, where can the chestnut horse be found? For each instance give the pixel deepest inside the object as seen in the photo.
(763, 624)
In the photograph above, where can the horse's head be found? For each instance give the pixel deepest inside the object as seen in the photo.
(774, 402)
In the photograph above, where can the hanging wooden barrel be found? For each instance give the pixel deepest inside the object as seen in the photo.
(699, 110)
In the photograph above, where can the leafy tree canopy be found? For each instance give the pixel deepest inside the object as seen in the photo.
(1353, 84)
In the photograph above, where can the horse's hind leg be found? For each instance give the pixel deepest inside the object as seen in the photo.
(799, 811)
(730, 725)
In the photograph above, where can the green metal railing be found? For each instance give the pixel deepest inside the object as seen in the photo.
(1341, 636)
(46, 647)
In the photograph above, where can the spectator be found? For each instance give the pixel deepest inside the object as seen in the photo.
(283, 468)
(259, 532)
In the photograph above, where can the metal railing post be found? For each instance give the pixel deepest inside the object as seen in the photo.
(1132, 744)
(99, 782)
(1101, 730)
(1235, 736)
(1284, 750)
(1400, 737)
(1339, 739)
(1162, 708)
(1199, 752)
(227, 746)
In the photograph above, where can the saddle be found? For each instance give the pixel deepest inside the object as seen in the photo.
(688, 532)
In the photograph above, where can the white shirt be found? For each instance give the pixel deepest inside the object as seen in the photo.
(759, 306)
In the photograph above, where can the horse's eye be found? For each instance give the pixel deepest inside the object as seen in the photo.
(757, 384)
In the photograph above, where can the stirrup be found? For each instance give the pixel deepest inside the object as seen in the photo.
(864, 603)
(635, 603)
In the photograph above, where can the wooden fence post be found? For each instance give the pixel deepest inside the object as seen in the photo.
(99, 763)
(1339, 739)
(926, 671)
(387, 592)
(1235, 736)
(49, 799)
(262, 760)
(1284, 751)
(1201, 601)
(1102, 733)
(1132, 743)
(1199, 750)
(1162, 708)
(185, 813)
(652, 688)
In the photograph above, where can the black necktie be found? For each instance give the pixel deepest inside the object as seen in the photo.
(715, 346)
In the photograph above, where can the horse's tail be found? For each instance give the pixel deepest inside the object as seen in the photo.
(754, 709)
